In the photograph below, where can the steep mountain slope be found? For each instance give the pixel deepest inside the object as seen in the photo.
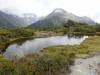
(4, 22)
(59, 16)
(87, 20)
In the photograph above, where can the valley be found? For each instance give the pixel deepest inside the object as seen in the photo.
(54, 60)
(60, 43)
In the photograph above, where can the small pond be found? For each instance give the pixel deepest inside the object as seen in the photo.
(16, 50)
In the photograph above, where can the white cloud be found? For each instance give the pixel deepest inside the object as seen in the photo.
(88, 8)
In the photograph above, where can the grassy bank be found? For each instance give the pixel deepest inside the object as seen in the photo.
(91, 44)
(7, 36)
(56, 60)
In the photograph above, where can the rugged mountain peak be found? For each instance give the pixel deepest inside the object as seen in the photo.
(58, 13)
(60, 16)
(59, 10)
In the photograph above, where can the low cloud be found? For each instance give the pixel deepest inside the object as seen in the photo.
(88, 8)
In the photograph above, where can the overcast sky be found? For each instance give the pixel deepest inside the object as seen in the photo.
(90, 8)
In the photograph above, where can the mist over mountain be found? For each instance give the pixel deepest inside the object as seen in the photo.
(29, 18)
(11, 20)
(58, 17)
(4, 20)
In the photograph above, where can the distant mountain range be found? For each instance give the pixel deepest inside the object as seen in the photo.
(9, 20)
(55, 18)
(30, 18)
(58, 17)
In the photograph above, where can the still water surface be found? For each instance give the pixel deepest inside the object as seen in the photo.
(35, 45)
